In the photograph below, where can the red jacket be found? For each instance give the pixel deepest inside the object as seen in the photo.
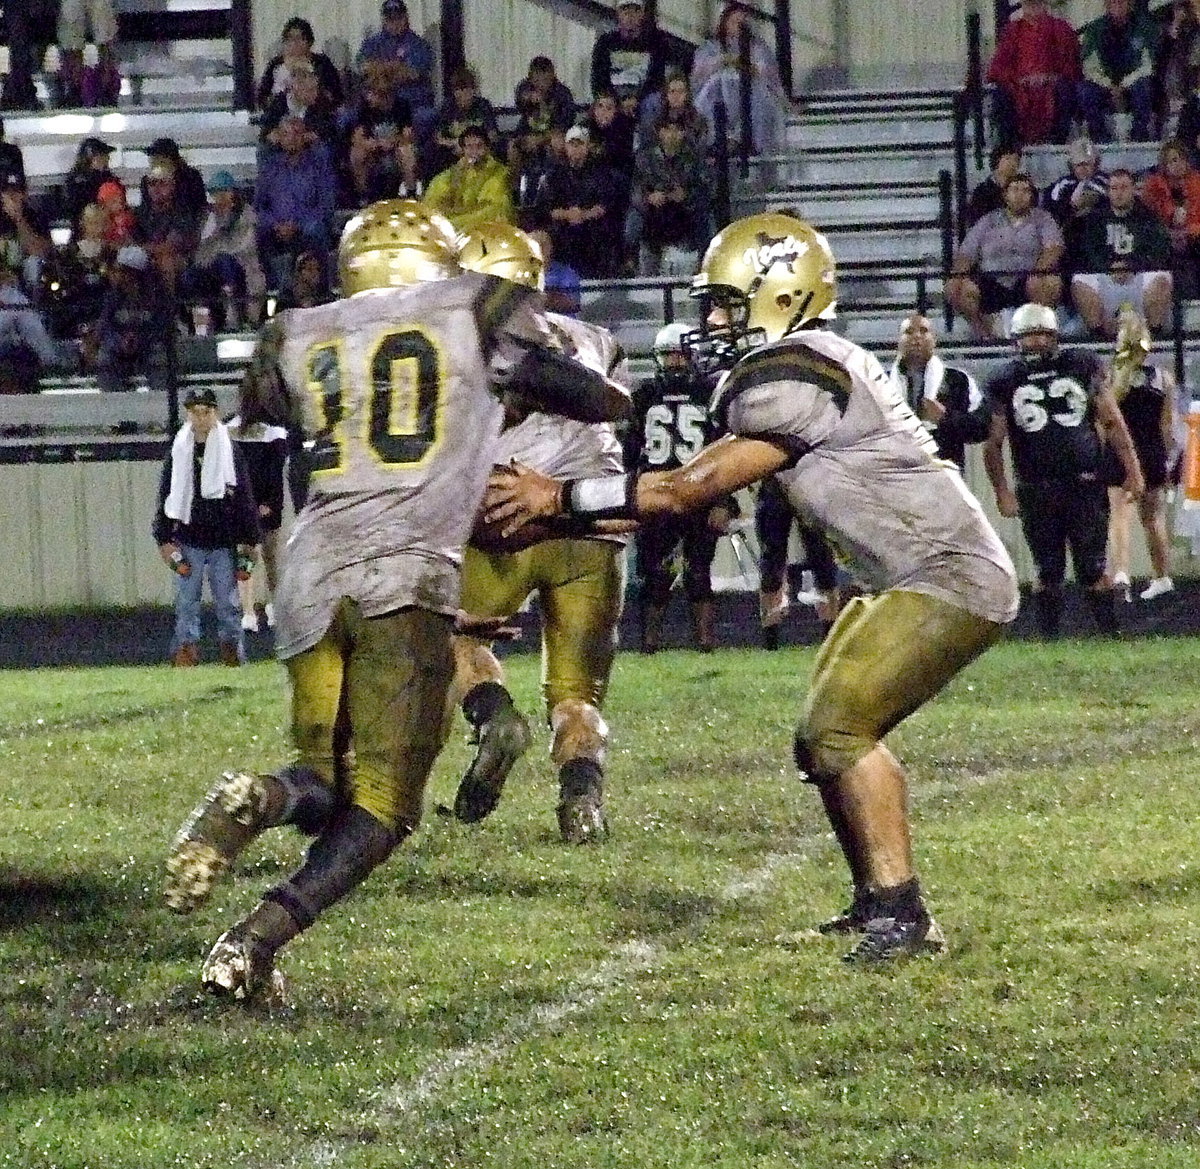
(1044, 47)
(1158, 196)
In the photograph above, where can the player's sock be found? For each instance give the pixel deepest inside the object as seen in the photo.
(482, 701)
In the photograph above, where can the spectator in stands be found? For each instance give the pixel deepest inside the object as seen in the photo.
(670, 206)
(302, 98)
(1116, 56)
(76, 279)
(537, 143)
(189, 182)
(83, 82)
(1122, 259)
(947, 399)
(12, 162)
(381, 147)
(296, 46)
(583, 203)
(677, 106)
(1008, 257)
(89, 170)
(205, 521)
(1035, 70)
(633, 56)
(26, 347)
(17, 89)
(27, 227)
(1188, 124)
(1005, 161)
(556, 96)
(465, 107)
(404, 60)
(136, 331)
(476, 189)
(294, 201)
(308, 287)
(226, 274)
(166, 226)
(611, 132)
(716, 80)
(1172, 192)
(1177, 66)
(118, 215)
(1083, 188)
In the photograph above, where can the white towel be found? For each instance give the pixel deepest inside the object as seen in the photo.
(217, 470)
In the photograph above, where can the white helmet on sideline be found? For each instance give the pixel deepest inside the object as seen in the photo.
(1033, 318)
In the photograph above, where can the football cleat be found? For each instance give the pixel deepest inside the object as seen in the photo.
(239, 966)
(888, 939)
(211, 838)
(852, 920)
(501, 741)
(581, 819)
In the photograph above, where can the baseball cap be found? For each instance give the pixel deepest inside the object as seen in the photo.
(131, 256)
(630, 4)
(394, 8)
(222, 181)
(201, 396)
(578, 134)
(163, 148)
(95, 146)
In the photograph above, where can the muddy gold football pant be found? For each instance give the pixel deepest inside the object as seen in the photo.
(389, 677)
(885, 656)
(580, 586)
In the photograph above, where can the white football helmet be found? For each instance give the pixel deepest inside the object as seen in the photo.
(1034, 332)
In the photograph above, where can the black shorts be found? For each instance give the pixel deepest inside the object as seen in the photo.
(994, 296)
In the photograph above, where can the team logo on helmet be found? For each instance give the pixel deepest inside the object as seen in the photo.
(770, 250)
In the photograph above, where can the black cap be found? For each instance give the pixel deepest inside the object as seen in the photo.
(96, 146)
(164, 148)
(201, 396)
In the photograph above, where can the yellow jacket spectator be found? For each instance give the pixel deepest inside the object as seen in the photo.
(476, 189)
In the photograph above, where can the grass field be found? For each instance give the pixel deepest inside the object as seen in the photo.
(490, 998)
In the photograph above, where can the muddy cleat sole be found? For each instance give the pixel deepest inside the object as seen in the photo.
(503, 739)
(211, 838)
(887, 939)
(240, 967)
(581, 820)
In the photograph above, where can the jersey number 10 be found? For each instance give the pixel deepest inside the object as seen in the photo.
(403, 408)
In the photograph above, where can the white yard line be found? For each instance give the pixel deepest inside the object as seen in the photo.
(390, 1104)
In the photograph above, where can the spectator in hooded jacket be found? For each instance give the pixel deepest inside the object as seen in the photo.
(584, 205)
(1117, 58)
(476, 189)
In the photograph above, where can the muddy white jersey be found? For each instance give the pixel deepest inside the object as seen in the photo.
(868, 473)
(561, 447)
(397, 392)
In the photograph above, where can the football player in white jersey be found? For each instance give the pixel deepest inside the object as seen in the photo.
(820, 414)
(578, 579)
(398, 386)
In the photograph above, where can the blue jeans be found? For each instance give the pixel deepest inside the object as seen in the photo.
(217, 564)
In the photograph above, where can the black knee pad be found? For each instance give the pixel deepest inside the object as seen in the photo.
(807, 762)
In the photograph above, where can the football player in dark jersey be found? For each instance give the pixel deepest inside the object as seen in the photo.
(1055, 410)
(1145, 392)
(820, 414)
(670, 424)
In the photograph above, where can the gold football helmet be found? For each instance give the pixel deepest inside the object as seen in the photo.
(772, 273)
(396, 243)
(500, 249)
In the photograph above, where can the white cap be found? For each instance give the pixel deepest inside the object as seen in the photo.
(1033, 318)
